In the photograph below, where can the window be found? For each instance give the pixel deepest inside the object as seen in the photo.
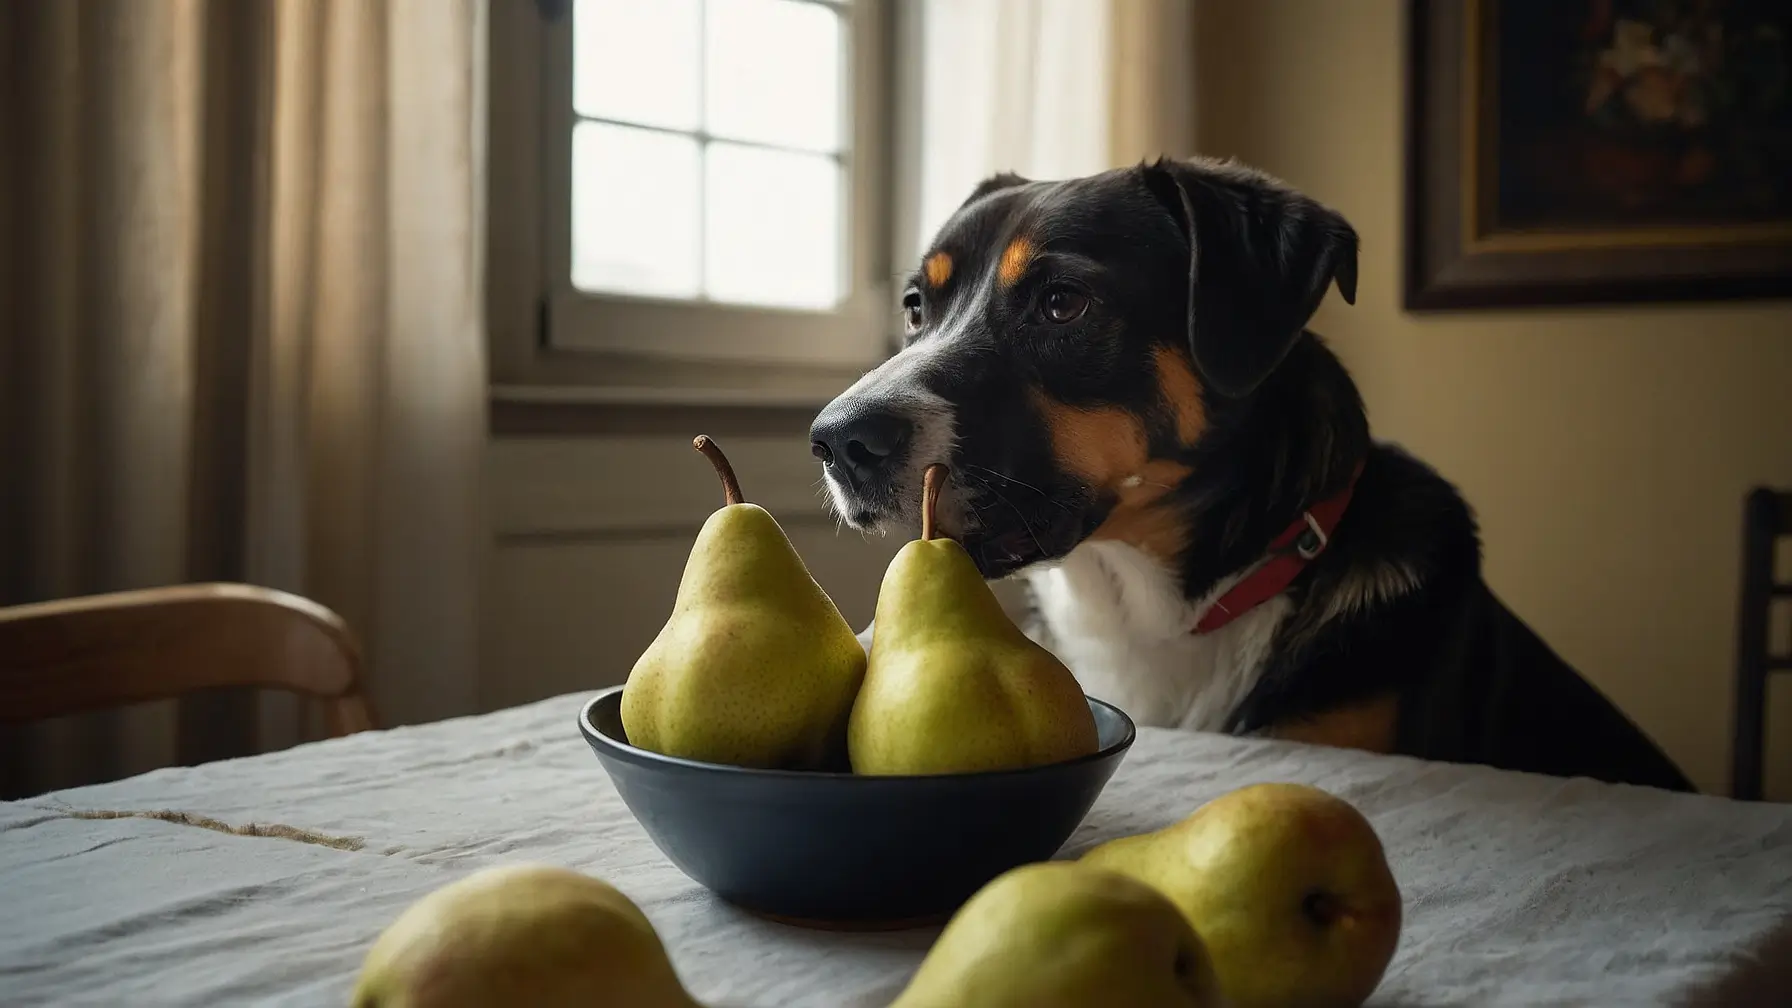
(710, 186)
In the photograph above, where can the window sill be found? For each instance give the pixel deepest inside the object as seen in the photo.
(611, 378)
(792, 397)
(614, 393)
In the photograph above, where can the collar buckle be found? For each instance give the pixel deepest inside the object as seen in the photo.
(1289, 553)
(1313, 541)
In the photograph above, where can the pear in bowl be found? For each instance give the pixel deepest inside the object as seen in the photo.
(952, 685)
(755, 666)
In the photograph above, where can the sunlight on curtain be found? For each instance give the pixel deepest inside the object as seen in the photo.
(242, 278)
(1047, 89)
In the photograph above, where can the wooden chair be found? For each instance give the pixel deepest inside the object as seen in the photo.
(73, 655)
(1767, 516)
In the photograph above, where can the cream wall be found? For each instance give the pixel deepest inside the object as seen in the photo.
(1606, 451)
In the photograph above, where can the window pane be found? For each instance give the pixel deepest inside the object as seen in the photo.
(634, 211)
(773, 73)
(637, 61)
(774, 234)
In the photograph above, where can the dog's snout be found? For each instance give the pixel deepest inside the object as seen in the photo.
(860, 443)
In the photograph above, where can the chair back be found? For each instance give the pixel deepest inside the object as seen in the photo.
(73, 655)
(1767, 517)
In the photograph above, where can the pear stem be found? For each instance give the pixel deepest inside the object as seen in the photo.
(930, 497)
(730, 485)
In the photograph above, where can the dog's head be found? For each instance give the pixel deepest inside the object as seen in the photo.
(1073, 346)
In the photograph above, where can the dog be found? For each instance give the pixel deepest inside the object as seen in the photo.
(1140, 428)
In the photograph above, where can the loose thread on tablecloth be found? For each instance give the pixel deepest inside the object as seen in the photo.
(275, 830)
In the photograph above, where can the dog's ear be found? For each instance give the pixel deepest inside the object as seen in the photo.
(1261, 257)
(994, 183)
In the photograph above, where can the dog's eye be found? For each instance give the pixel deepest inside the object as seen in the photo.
(912, 314)
(1065, 304)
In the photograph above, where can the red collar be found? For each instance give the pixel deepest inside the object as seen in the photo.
(1289, 553)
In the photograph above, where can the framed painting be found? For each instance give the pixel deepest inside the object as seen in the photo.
(1598, 151)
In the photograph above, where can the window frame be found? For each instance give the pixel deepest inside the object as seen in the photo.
(549, 342)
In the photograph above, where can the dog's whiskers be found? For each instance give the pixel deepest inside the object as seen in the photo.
(1021, 483)
(1017, 511)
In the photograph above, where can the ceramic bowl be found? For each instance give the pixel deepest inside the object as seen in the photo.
(841, 850)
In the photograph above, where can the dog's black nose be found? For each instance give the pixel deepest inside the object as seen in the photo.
(859, 443)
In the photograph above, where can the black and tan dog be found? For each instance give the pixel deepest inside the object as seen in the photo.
(1117, 370)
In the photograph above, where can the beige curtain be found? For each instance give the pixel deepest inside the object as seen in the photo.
(1151, 82)
(240, 335)
(1046, 88)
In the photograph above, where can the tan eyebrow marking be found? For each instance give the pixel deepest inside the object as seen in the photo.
(1014, 261)
(939, 269)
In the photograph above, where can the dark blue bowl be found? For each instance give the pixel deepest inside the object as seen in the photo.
(841, 850)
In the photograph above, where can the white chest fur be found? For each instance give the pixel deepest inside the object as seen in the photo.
(1116, 616)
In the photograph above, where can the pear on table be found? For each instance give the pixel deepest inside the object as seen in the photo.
(1058, 934)
(951, 684)
(523, 934)
(1287, 885)
(755, 666)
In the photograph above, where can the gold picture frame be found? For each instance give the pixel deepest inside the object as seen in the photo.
(1577, 180)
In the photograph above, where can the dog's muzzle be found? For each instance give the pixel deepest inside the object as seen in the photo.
(875, 439)
(860, 444)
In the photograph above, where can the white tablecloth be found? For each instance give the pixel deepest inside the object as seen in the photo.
(1520, 890)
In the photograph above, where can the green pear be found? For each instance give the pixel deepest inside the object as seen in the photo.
(522, 934)
(755, 666)
(952, 685)
(1288, 887)
(1058, 934)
